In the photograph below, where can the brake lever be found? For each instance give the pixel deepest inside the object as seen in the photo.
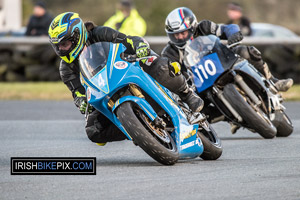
(233, 45)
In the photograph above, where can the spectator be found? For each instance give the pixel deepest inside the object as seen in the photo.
(127, 20)
(2, 19)
(40, 20)
(235, 14)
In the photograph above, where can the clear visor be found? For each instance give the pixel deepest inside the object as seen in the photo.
(62, 48)
(180, 38)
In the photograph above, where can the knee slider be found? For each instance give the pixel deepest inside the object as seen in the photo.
(175, 68)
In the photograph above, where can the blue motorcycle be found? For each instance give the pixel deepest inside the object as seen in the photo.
(233, 86)
(147, 113)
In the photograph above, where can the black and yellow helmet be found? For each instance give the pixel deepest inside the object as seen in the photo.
(67, 35)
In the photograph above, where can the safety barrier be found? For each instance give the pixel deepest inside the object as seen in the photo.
(19, 59)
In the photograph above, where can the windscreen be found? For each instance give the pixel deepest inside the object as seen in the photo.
(205, 45)
(93, 58)
(198, 48)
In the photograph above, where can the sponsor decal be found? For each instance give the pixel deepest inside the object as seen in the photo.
(187, 134)
(88, 94)
(199, 142)
(187, 145)
(121, 65)
(149, 61)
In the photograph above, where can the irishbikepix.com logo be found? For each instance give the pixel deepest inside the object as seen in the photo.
(53, 166)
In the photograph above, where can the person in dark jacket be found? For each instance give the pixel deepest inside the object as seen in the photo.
(235, 14)
(68, 36)
(181, 25)
(39, 22)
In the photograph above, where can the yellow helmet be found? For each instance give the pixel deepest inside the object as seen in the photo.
(67, 35)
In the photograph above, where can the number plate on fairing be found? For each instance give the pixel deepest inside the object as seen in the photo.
(206, 71)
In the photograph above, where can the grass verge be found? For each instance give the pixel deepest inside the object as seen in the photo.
(293, 94)
(58, 91)
(34, 91)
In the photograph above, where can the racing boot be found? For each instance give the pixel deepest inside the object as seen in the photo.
(282, 85)
(189, 97)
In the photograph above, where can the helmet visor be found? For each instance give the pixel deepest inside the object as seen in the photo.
(180, 38)
(62, 48)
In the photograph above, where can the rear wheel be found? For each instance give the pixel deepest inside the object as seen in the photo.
(211, 142)
(252, 115)
(156, 142)
(283, 124)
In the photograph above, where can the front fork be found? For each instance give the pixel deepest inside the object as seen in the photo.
(249, 92)
(135, 91)
(221, 96)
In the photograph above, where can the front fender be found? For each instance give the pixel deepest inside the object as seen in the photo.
(142, 103)
(247, 71)
(244, 68)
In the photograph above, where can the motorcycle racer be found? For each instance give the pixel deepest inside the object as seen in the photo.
(181, 26)
(68, 37)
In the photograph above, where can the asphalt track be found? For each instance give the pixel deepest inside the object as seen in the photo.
(250, 167)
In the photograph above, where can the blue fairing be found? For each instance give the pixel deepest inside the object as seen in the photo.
(105, 78)
(206, 71)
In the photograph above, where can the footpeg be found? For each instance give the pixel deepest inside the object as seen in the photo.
(197, 118)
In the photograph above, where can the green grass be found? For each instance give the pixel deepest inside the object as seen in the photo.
(34, 91)
(293, 94)
(58, 91)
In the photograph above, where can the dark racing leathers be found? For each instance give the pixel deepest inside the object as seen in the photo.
(99, 129)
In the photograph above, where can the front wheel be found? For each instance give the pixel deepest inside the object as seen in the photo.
(252, 115)
(283, 124)
(155, 142)
(211, 142)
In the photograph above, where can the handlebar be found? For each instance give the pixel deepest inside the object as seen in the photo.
(132, 58)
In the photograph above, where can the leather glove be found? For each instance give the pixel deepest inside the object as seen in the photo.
(142, 50)
(234, 38)
(81, 103)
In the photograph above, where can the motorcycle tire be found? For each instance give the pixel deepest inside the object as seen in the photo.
(137, 125)
(211, 142)
(256, 120)
(283, 124)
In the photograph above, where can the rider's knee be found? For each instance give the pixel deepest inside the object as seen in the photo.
(250, 53)
(100, 129)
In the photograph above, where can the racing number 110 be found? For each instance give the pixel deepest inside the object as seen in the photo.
(208, 69)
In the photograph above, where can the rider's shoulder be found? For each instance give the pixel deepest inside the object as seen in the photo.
(170, 47)
(65, 65)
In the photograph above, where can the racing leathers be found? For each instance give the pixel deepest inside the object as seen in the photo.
(99, 129)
